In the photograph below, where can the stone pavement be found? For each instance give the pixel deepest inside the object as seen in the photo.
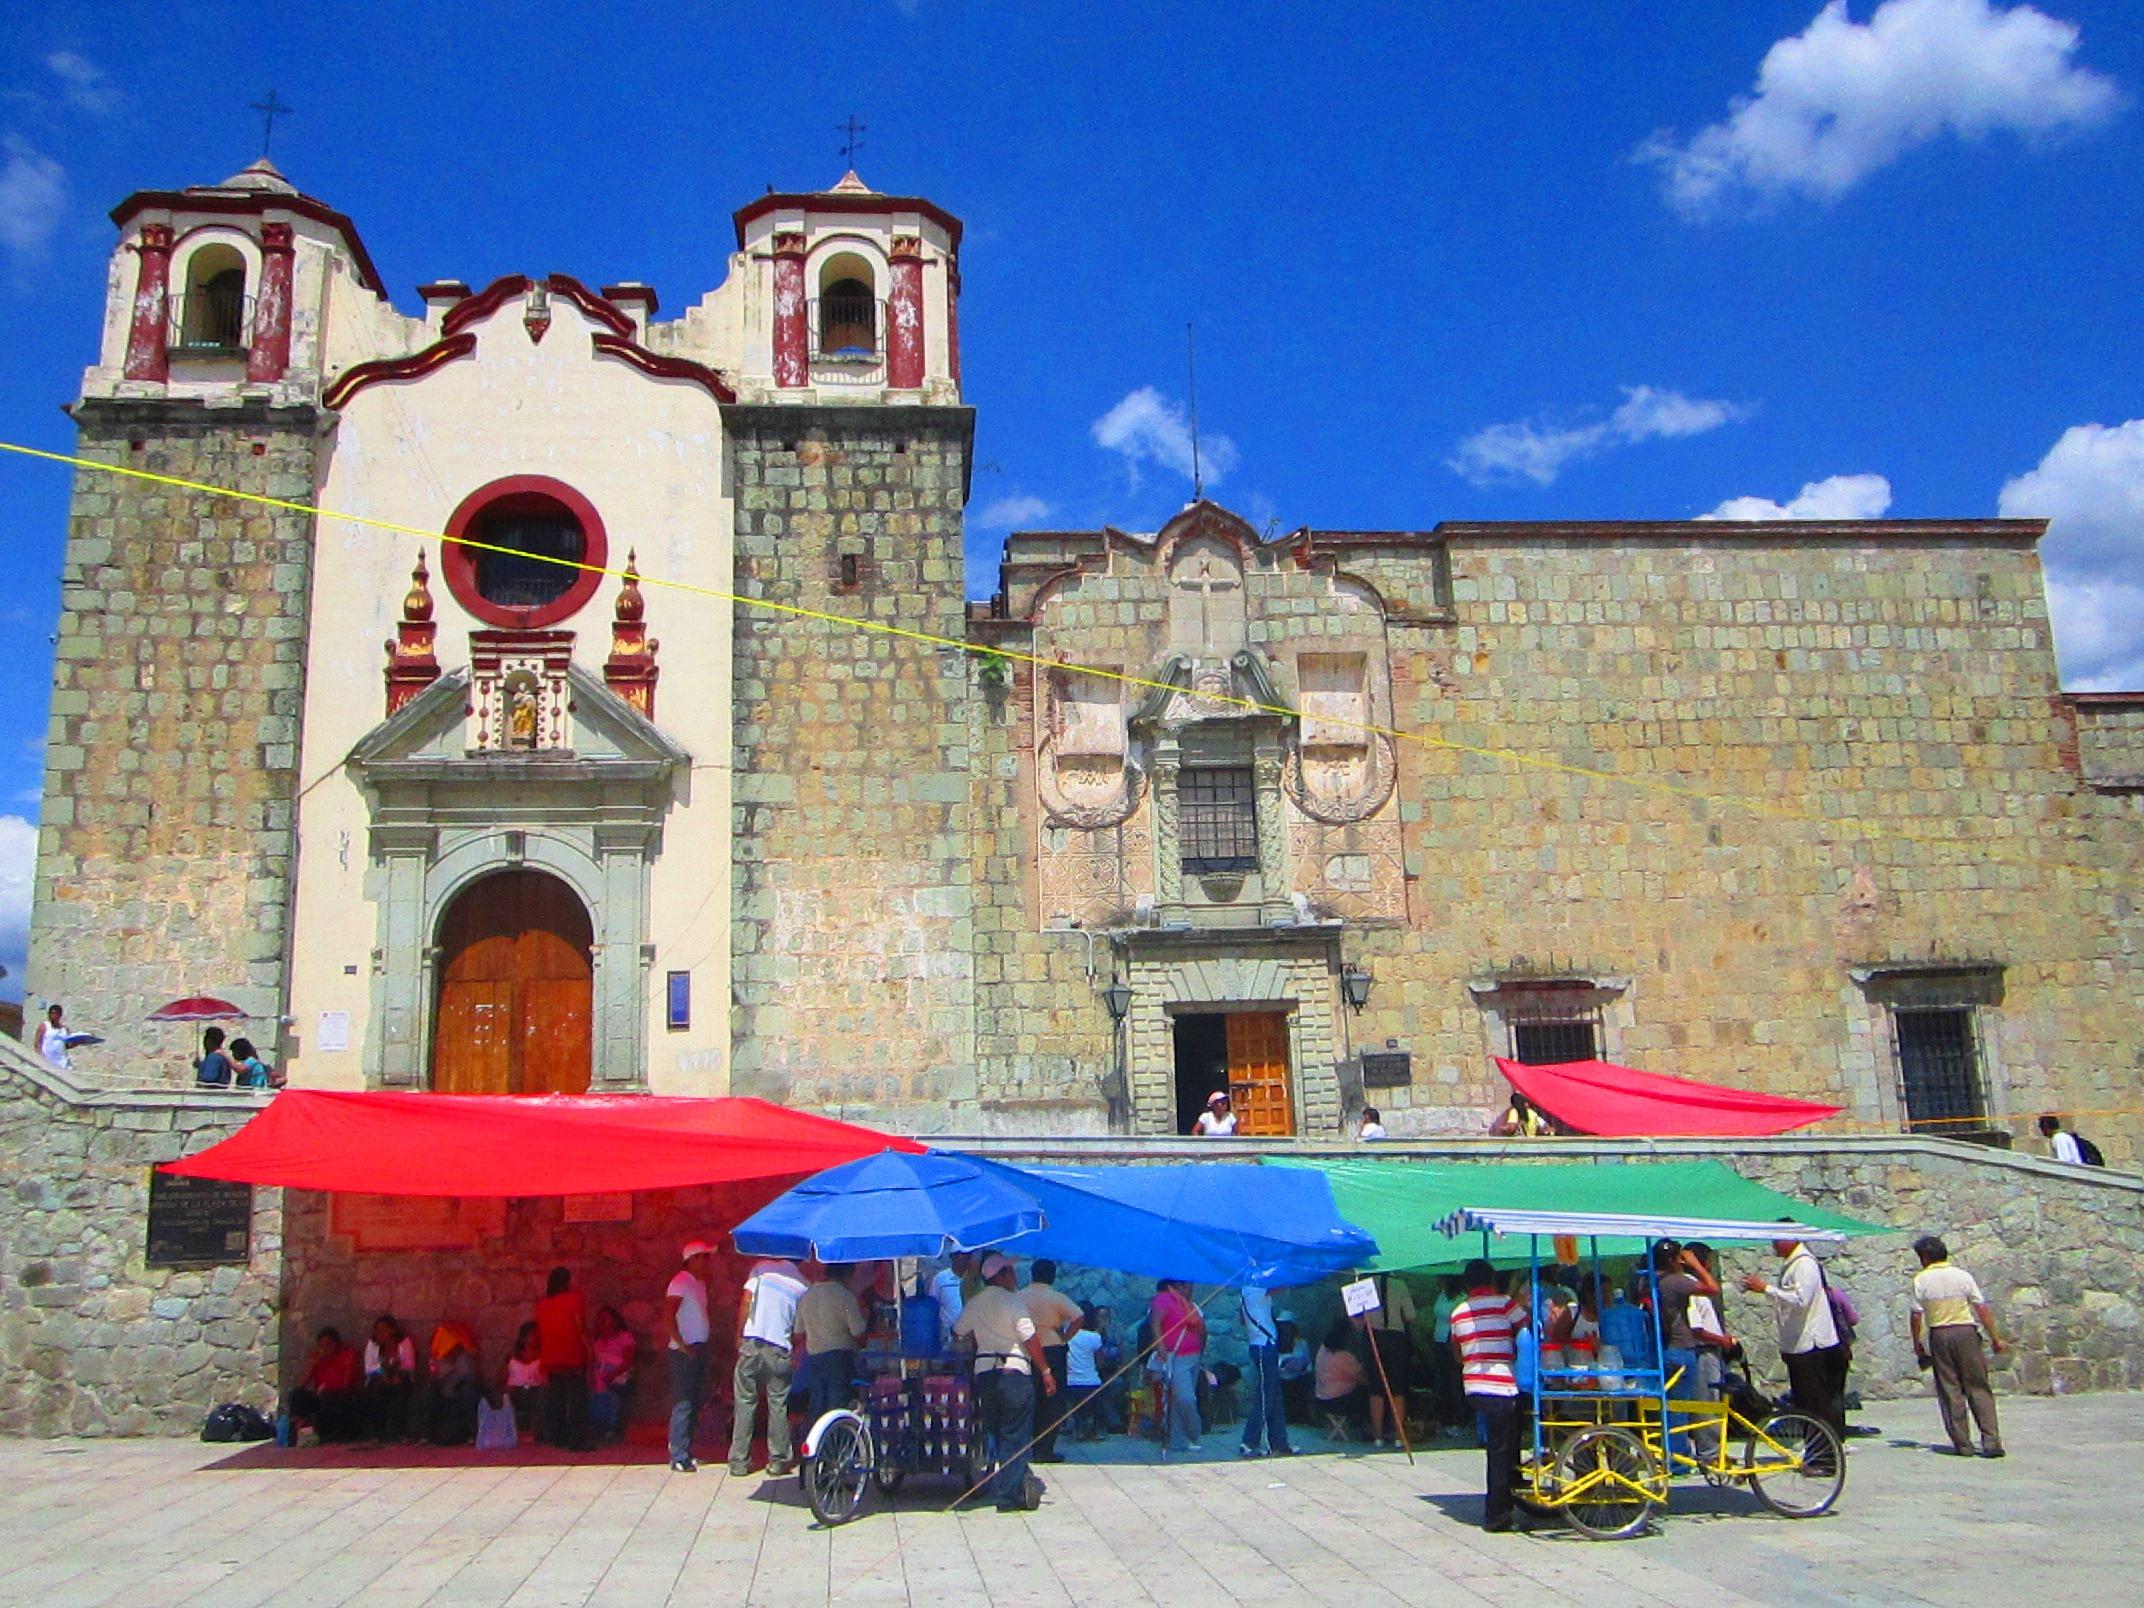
(167, 1523)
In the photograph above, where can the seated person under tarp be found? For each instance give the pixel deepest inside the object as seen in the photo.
(329, 1400)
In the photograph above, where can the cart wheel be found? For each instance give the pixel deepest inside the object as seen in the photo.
(836, 1474)
(1808, 1478)
(888, 1475)
(1607, 1483)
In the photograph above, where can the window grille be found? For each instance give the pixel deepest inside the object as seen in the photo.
(848, 320)
(521, 538)
(1939, 1071)
(1547, 1036)
(1217, 819)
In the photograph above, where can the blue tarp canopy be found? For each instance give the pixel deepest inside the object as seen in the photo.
(894, 1205)
(1210, 1222)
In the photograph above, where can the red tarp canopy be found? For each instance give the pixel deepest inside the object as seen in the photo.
(1620, 1102)
(394, 1143)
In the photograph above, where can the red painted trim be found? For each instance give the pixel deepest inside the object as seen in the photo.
(484, 303)
(269, 357)
(904, 320)
(457, 564)
(850, 206)
(254, 206)
(416, 364)
(791, 368)
(662, 366)
(629, 295)
(148, 356)
(590, 303)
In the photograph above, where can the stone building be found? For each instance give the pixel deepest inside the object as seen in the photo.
(1342, 814)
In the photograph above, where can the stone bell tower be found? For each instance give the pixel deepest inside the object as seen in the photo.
(849, 446)
(167, 849)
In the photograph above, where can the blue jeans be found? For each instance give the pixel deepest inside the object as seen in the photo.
(1686, 1388)
(1006, 1401)
(1182, 1375)
(688, 1370)
(828, 1380)
(1268, 1415)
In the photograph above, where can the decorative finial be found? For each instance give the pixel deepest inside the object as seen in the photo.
(631, 606)
(417, 606)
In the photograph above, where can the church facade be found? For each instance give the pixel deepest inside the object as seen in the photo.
(745, 797)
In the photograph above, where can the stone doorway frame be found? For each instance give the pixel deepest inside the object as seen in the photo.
(1174, 973)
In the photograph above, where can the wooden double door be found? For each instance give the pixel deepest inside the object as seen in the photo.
(516, 989)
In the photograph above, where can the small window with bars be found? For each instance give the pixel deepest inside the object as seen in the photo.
(1217, 820)
(1939, 1071)
(1553, 1037)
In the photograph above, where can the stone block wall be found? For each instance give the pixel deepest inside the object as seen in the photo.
(166, 853)
(852, 919)
(2110, 739)
(92, 1341)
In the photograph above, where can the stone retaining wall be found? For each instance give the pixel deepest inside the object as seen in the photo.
(92, 1342)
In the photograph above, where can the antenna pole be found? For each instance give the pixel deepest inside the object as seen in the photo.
(1191, 369)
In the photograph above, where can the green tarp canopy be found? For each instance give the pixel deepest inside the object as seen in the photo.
(1401, 1203)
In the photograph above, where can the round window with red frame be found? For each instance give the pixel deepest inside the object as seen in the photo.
(528, 551)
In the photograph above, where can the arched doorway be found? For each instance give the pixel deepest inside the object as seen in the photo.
(515, 989)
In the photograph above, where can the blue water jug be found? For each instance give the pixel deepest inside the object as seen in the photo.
(919, 1328)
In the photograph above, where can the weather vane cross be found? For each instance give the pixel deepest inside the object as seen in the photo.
(852, 141)
(270, 109)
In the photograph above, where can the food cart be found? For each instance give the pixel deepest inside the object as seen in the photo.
(1607, 1439)
(917, 1410)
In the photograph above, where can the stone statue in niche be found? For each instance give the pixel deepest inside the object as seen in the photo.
(521, 710)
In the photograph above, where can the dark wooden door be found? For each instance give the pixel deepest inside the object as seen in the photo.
(516, 989)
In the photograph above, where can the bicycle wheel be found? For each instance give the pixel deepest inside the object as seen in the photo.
(1607, 1483)
(1805, 1474)
(836, 1474)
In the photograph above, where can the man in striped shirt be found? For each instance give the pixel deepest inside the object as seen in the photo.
(1485, 1341)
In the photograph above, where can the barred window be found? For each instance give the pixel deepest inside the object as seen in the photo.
(1939, 1071)
(1217, 819)
(1552, 1038)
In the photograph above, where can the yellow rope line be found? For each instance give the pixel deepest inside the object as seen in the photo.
(1845, 826)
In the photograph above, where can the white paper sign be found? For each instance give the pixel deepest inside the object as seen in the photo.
(334, 1030)
(1360, 1297)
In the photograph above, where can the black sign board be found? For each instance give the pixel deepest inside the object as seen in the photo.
(196, 1222)
(1387, 1069)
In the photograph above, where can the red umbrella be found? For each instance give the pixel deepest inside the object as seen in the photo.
(199, 1008)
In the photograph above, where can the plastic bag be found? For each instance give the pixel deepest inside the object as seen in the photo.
(495, 1427)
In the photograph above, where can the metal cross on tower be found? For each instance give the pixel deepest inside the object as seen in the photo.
(270, 109)
(852, 141)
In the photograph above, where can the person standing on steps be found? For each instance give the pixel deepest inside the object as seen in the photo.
(1946, 1341)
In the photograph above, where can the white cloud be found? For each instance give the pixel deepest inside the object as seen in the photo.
(33, 194)
(1013, 512)
(1837, 497)
(84, 84)
(18, 871)
(2091, 487)
(1537, 450)
(1841, 99)
(1147, 427)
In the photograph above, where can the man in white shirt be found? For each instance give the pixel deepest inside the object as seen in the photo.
(1808, 1339)
(1373, 1125)
(685, 1329)
(1217, 1121)
(1008, 1361)
(2061, 1146)
(766, 1329)
(1946, 1303)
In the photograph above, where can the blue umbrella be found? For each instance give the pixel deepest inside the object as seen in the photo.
(892, 1205)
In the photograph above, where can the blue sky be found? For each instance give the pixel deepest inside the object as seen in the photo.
(1446, 261)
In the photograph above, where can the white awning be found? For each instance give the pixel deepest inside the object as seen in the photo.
(1628, 1225)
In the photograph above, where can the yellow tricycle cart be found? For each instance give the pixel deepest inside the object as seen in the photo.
(1608, 1438)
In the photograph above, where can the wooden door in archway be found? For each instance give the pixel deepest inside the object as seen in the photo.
(516, 989)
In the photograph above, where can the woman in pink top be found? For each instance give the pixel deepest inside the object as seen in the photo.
(1179, 1337)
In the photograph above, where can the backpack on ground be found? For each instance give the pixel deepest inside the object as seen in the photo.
(2088, 1152)
(236, 1422)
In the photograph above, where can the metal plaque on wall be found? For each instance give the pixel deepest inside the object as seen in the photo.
(198, 1222)
(1387, 1069)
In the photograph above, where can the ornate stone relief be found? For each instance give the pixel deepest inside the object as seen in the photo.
(1087, 792)
(1340, 786)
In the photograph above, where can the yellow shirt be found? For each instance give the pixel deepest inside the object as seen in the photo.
(1945, 1295)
